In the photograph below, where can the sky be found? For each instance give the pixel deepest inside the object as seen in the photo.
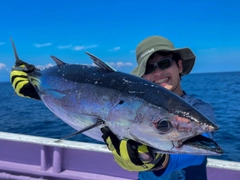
(111, 30)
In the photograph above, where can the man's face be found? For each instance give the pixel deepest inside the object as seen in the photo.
(169, 77)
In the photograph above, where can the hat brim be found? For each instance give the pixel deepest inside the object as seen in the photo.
(185, 54)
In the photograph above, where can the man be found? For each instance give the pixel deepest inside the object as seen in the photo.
(160, 63)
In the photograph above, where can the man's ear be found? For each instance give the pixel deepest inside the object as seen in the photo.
(180, 66)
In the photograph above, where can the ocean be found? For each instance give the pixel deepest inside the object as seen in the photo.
(221, 90)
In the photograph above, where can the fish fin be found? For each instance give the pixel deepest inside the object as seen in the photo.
(57, 61)
(99, 122)
(18, 62)
(100, 63)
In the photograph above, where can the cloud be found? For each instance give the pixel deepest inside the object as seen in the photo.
(76, 48)
(65, 47)
(4, 67)
(2, 43)
(42, 45)
(117, 64)
(120, 64)
(132, 51)
(208, 50)
(45, 66)
(79, 48)
(115, 49)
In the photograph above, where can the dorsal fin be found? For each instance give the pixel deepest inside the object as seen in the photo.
(58, 61)
(100, 63)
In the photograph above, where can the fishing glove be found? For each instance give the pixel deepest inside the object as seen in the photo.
(131, 155)
(21, 84)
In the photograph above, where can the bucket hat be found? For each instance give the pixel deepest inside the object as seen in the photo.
(158, 43)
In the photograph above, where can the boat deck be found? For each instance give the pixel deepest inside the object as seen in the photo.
(24, 157)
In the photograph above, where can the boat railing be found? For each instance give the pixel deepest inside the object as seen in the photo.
(24, 156)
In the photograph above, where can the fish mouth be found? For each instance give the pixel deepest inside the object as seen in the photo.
(204, 143)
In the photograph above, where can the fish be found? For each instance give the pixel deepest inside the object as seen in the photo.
(90, 97)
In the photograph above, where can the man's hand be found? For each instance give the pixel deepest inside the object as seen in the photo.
(133, 156)
(21, 84)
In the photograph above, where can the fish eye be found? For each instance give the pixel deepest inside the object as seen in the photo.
(121, 102)
(164, 126)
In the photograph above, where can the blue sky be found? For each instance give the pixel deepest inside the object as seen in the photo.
(111, 30)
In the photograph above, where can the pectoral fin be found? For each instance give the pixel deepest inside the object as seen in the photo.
(99, 122)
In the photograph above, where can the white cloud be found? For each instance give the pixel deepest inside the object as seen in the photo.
(79, 48)
(115, 49)
(208, 50)
(3, 67)
(65, 47)
(120, 64)
(1, 43)
(116, 64)
(42, 45)
(45, 66)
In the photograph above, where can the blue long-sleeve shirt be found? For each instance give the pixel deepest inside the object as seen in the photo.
(184, 166)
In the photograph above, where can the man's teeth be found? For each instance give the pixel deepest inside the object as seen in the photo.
(161, 81)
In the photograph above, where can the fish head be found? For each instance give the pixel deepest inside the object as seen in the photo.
(170, 133)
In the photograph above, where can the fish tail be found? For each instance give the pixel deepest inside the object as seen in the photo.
(19, 64)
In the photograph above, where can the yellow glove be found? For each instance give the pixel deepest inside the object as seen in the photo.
(21, 84)
(133, 156)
